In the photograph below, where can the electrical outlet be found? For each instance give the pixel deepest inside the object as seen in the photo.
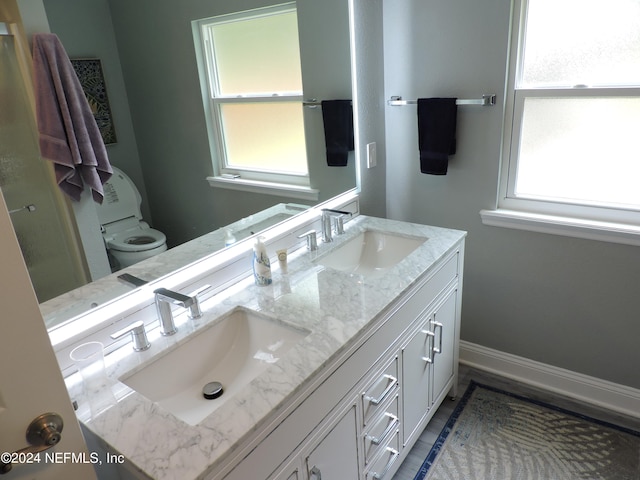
(372, 161)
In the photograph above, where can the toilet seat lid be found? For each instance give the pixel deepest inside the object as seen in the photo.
(121, 199)
(136, 240)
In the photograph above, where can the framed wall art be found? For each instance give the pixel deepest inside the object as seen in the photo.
(89, 71)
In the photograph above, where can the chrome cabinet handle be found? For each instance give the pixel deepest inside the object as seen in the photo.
(430, 338)
(394, 456)
(387, 391)
(440, 326)
(392, 425)
(44, 432)
(315, 472)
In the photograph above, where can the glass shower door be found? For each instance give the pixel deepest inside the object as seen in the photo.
(46, 236)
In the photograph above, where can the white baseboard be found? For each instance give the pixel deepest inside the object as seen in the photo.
(612, 396)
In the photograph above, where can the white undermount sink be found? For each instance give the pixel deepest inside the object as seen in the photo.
(234, 350)
(371, 252)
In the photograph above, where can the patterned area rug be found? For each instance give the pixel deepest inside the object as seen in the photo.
(495, 435)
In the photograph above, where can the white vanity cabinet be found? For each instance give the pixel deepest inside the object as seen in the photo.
(336, 455)
(429, 360)
(445, 357)
(416, 374)
(360, 417)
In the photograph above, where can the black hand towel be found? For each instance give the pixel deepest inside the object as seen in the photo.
(337, 117)
(436, 133)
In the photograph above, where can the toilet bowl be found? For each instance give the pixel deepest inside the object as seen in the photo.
(127, 237)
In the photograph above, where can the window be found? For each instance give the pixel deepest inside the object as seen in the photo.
(251, 64)
(571, 148)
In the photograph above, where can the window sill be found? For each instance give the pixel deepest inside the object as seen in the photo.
(566, 226)
(266, 188)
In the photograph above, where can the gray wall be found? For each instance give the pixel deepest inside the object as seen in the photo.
(148, 46)
(368, 46)
(158, 58)
(563, 301)
(86, 31)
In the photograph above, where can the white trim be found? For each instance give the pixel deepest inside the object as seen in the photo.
(595, 391)
(258, 98)
(560, 216)
(214, 99)
(267, 188)
(559, 225)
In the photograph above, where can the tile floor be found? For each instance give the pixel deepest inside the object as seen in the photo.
(418, 453)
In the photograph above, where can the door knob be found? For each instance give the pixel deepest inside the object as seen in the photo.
(42, 433)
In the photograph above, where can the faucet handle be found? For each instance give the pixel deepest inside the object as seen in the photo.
(337, 212)
(139, 339)
(312, 239)
(194, 309)
(339, 216)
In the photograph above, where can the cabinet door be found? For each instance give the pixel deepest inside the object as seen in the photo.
(336, 456)
(443, 325)
(417, 358)
(293, 475)
(291, 471)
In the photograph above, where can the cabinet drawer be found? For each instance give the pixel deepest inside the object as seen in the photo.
(381, 430)
(442, 277)
(428, 292)
(381, 387)
(381, 468)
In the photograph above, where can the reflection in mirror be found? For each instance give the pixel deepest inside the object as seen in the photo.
(146, 50)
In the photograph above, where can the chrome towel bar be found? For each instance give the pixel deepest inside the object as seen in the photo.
(486, 101)
(311, 103)
(29, 208)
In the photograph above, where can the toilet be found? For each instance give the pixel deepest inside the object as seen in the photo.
(127, 237)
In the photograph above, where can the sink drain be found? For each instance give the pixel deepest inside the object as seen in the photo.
(212, 390)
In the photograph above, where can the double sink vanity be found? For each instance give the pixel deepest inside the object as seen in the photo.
(330, 372)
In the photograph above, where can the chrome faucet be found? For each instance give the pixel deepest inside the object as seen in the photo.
(164, 299)
(327, 214)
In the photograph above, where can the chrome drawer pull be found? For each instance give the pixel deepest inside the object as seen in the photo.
(380, 476)
(388, 430)
(430, 339)
(315, 472)
(387, 391)
(440, 326)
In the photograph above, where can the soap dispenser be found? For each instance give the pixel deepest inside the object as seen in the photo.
(261, 264)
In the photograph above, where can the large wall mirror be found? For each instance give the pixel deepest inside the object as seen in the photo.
(147, 54)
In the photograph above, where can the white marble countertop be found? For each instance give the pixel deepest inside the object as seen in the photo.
(82, 299)
(334, 306)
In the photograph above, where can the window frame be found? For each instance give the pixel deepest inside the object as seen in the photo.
(226, 176)
(584, 220)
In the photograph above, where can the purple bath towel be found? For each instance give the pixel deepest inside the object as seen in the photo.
(69, 135)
